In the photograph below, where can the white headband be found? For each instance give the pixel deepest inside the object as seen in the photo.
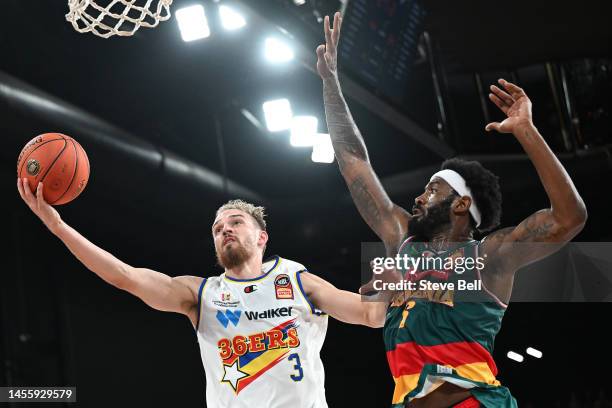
(457, 182)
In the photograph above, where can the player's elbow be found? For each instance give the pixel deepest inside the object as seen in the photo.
(124, 278)
(581, 216)
(574, 223)
(373, 318)
(375, 323)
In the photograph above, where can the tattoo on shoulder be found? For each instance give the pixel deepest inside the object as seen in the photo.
(535, 229)
(500, 234)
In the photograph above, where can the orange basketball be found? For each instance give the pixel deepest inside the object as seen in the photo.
(59, 162)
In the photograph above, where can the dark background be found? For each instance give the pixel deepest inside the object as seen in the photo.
(146, 110)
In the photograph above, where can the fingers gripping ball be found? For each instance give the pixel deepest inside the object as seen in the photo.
(59, 162)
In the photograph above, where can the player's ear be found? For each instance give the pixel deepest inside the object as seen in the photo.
(462, 205)
(263, 238)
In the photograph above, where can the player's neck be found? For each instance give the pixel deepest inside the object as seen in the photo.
(248, 270)
(455, 233)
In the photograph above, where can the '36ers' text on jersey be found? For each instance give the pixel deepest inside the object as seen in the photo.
(260, 340)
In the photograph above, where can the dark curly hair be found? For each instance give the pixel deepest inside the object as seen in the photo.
(485, 189)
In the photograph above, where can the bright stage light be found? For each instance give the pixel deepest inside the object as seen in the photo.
(193, 23)
(278, 51)
(278, 114)
(322, 149)
(534, 353)
(515, 356)
(303, 131)
(230, 19)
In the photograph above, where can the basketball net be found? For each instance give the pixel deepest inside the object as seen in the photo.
(119, 17)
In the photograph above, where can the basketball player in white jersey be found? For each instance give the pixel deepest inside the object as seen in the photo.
(260, 325)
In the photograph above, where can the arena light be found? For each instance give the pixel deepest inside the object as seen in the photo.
(303, 131)
(515, 356)
(230, 19)
(299, 2)
(278, 114)
(278, 51)
(322, 149)
(534, 353)
(193, 23)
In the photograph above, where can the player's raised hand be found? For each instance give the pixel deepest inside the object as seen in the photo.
(48, 215)
(513, 101)
(327, 54)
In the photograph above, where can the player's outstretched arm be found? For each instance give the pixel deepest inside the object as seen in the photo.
(342, 305)
(157, 290)
(567, 213)
(387, 220)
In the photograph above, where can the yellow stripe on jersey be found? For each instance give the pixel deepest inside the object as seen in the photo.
(403, 385)
(480, 372)
(255, 365)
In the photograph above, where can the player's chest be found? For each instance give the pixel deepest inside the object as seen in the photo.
(237, 305)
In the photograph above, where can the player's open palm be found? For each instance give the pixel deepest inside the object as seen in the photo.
(515, 104)
(327, 54)
(49, 216)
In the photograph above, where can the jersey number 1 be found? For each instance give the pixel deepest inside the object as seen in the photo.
(409, 305)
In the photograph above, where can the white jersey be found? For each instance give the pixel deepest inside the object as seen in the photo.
(260, 340)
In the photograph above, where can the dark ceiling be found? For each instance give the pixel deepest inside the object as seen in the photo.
(480, 34)
(168, 92)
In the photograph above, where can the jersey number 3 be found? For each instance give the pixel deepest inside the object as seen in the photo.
(298, 367)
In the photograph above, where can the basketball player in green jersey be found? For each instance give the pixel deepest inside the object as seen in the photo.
(439, 350)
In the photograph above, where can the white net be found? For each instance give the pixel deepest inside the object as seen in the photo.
(118, 17)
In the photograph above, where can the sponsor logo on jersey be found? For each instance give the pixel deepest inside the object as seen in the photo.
(250, 289)
(234, 303)
(246, 357)
(232, 316)
(443, 369)
(226, 300)
(269, 314)
(283, 287)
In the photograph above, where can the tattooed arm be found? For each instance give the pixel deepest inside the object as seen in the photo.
(387, 220)
(553, 226)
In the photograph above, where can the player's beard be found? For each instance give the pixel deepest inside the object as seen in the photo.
(233, 255)
(424, 227)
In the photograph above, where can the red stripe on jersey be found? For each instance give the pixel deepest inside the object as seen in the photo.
(409, 357)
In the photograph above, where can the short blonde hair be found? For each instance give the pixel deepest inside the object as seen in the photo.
(258, 213)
